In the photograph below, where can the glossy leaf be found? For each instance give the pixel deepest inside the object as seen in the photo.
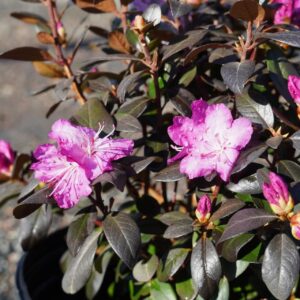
(79, 230)
(178, 229)
(144, 271)
(172, 217)
(92, 114)
(257, 112)
(247, 185)
(128, 123)
(134, 107)
(171, 263)
(295, 138)
(80, 267)
(188, 77)
(32, 203)
(35, 227)
(124, 236)
(227, 208)
(245, 221)
(205, 268)
(152, 14)
(235, 74)
(224, 289)
(117, 177)
(169, 174)
(182, 102)
(290, 169)
(186, 290)
(142, 163)
(231, 247)
(161, 290)
(280, 266)
(291, 38)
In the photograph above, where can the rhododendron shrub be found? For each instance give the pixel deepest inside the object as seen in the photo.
(177, 174)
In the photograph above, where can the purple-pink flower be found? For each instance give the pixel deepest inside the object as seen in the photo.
(295, 225)
(79, 157)
(294, 87)
(288, 12)
(210, 141)
(278, 196)
(203, 209)
(6, 157)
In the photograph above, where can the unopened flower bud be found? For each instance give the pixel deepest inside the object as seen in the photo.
(203, 209)
(294, 87)
(295, 225)
(139, 22)
(61, 30)
(278, 196)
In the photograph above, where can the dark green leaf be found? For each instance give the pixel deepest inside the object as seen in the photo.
(245, 221)
(26, 54)
(80, 267)
(98, 272)
(186, 290)
(290, 169)
(128, 123)
(247, 185)
(161, 290)
(32, 203)
(227, 208)
(231, 248)
(205, 268)
(92, 114)
(248, 156)
(134, 107)
(124, 236)
(178, 229)
(35, 227)
(192, 38)
(170, 173)
(280, 266)
(79, 230)
(236, 74)
(171, 264)
(257, 112)
(144, 271)
(188, 77)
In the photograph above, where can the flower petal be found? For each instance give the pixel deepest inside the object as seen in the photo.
(240, 133)
(294, 87)
(199, 108)
(226, 162)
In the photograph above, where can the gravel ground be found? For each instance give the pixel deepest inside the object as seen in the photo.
(22, 117)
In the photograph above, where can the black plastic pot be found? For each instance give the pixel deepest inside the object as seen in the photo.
(39, 276)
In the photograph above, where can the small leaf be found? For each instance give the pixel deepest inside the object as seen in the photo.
(26, 54)
(205, 268)
(30, 18)
(35, 227)
(93, 113)
(169, 174)
(79, 230)
(182, 102)
(124, 236)
(117, 177)
(49, 69)
(172, 217)
(227, 208)
(178, 229)
(247, 185)
(188, 77)
(295, 138)
(171, 264)
(246, 10)
(126, 83)
(248, 156)
(45, 38)
(186, 290)
(231, 247)
(290, 169)
(96, 6)
(280, 266)
(161, 290)
(128, 123)
(235, 74)
(245, 221)
(224, 289)
(118, 42)
(153, 14)
(32, 203)
(257, 112)
(144, 271)
(142, 163)
(80, 266)
(134, 107)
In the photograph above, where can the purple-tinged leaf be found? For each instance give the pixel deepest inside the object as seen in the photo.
(227, 208)
(27, 54)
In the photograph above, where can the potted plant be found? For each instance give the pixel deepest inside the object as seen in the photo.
(179, 170)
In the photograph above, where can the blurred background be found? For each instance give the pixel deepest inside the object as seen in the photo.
(22, 116)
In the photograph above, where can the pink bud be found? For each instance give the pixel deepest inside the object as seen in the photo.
(6, 157)
(294, 87)
(203, 209)
(60, 29)
(278, 196)
(295, 225)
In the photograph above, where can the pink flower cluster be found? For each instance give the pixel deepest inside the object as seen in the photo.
(210, 141)
(288, 12)
(294, 87)
(79, 157)
(6, 157)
